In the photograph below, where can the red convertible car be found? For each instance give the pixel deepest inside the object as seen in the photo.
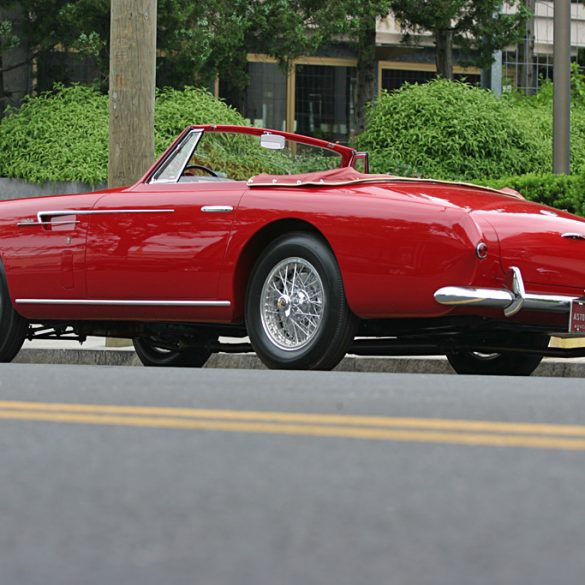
(285, 239)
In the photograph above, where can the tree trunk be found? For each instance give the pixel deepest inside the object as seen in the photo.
(444, 54)
(132, 90)
(366, 69)
(526, 54)
(15, 62)
(234, 82)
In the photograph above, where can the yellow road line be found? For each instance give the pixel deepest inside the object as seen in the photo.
(301, 417)
(349, 432)
(494, 433)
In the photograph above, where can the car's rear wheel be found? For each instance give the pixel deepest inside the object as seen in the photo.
(13, 327)
(501, 364)
(151, 353)
(297, 316)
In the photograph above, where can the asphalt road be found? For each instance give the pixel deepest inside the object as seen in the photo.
(207, 477)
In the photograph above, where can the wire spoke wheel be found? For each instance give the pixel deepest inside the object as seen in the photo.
(296, 314)
(292, 304)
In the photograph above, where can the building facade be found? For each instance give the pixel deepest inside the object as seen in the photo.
(316, 95)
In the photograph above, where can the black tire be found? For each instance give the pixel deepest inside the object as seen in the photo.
(13, 327)
(501, 364)
(307, 327)
(150, 354)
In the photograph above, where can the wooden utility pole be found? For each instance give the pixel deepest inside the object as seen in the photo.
(562, 88)
(132, 89)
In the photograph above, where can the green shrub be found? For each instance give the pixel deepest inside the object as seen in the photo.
(63, 135)
(177, 109)
(451, 130)
(561, 191)
(58, 136)
(536, 115)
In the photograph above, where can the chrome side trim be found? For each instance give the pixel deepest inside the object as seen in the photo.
(62, 212)
(58, 212)
(29, 223)
(122, 303)
(217, 209)
(573, 236)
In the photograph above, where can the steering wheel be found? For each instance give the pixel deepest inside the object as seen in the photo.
(201, 167)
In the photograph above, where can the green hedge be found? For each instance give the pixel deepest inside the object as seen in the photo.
(451, 130)
(177, 109)
(63, 135)
(561, 191)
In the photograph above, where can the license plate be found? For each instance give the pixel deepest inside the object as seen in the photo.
(577, 320)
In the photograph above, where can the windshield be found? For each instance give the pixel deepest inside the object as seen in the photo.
(232, 156)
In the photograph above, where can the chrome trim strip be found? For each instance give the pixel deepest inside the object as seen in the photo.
(573, 236)
(217, 209)
(25, 223)
(121, 303)
(58, 212)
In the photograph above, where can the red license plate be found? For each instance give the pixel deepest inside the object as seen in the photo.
(577, 320)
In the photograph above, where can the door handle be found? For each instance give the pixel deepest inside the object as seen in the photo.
(217, 209)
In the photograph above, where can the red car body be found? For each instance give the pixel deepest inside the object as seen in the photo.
(425, 265)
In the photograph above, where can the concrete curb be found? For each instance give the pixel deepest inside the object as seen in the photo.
(416, 365)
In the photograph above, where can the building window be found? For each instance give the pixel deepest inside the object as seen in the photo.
(324, 101)
(393, 78)
(315, 97)
(514, 71)
(266, 96)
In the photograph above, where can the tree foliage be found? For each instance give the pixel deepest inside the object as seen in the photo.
(477, 27)
(56, 27)
(199, 41)
(63, 135)
(565, 192)
(451, 130)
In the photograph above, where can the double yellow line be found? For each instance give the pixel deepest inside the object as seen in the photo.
(376, 428)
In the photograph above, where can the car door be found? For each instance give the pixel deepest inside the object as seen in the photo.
(43, 248)
(161, 242)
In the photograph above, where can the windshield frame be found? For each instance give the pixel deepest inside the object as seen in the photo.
(348, 156)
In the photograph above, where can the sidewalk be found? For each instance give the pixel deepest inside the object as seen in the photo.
(94, 352)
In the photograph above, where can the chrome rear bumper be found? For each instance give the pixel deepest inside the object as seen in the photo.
(511, 300)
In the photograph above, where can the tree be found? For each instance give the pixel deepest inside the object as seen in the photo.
(213, 38)
(361, 27)
(477, 27)
(46, 30)
(527, 82)
(199, 41)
